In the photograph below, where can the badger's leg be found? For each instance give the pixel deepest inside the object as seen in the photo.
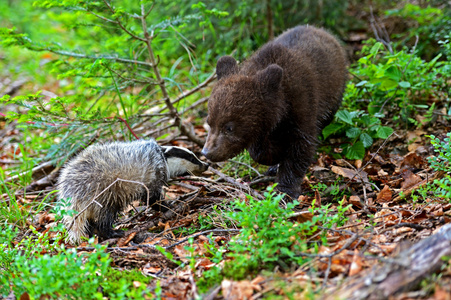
(79, 228)
(104, 225)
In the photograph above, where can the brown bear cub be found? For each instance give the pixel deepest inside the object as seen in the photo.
(276, 103)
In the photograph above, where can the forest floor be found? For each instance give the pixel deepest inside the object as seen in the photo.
(390, 210)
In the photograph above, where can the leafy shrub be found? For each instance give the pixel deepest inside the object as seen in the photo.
(429, 24)
(400, 82)
(360, 129)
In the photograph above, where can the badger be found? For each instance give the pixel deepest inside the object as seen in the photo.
(105, 178)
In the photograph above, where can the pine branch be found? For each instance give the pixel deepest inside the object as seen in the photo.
(184, 129)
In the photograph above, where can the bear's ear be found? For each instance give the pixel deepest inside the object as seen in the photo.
(270, 78)
(226, 66)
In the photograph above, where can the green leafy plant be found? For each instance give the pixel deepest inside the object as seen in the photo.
(267, 236)
(38, 266)
(400, 81)
(360, 129)
(442, 162)
(426, 23)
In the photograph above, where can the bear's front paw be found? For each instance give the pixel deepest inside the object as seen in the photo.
(292, 193)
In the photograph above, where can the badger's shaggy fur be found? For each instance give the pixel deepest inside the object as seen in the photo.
(113, 175)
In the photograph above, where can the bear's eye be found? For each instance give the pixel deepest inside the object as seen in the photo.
(228, 128)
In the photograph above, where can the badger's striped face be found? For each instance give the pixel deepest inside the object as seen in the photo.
(182, 161)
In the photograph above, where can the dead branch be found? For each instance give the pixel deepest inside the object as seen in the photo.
(412, 265)
(237, 184)
(193, 90)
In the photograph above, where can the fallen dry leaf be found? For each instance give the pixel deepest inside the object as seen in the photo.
(356, 264)
(355, 200)
(126, 239)
(387, 216)
(410, 179)
(351, 174)
(236, 290)
(385, 195)
(150, 270)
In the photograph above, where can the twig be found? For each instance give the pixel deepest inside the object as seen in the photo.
(338, 251)
(236, 183)
(98, 195)
(199, 234)
(193, 90)
(35, 169)
(9, 161)
(377, 29)
(263, 179)
(95, 57)
(246, 165)
(120, 24)
(195, 104)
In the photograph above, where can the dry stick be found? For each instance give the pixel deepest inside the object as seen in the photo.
(411, 189)
(172, 110)
(193, 90)
(377, 29)
(237, 184)
(98, 195)
(361, 180)
(35, 169)
(246, 165)
(167, 247)
(199, 234)
(199, 102)
(330, 255)
(8, 161)
(264, 179)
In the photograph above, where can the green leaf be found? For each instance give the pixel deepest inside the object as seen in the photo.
(345, 116)
(374, 107)
(353, 132)
(388, 84)
(366, 139)
(384, 132)
(393, 73)
(332, 129)
(404, 84)
(356, 151)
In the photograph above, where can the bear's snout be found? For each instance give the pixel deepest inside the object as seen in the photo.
(204, 151)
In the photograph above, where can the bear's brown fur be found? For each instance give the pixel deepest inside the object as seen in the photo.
(277, 102)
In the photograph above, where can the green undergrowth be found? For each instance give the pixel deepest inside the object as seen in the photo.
(269, 239)
(36, 265)
(441, 162)
(392, 84)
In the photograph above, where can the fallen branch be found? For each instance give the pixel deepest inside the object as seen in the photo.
(403, 274)
(235, 183)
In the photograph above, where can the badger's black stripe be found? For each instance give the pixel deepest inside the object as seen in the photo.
(177, 152)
